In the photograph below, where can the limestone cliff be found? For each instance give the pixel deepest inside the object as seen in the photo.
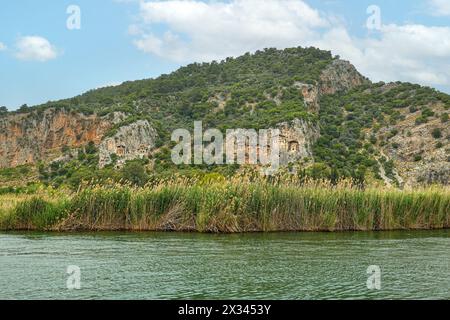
(130, 142)
(296, 140)
(340, 75)
(26, 138)
(419, 156)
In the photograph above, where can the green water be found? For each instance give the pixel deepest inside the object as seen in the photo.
(251, 266)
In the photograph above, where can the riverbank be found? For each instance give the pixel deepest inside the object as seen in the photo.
(238, 205)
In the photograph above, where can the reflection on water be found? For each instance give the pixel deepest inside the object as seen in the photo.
(251, 266)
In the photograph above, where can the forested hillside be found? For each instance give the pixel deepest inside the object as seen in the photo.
(395, 133)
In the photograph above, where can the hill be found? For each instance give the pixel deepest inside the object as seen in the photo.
(342, 124)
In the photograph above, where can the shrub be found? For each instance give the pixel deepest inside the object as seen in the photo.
(436, 133)
(135, 173)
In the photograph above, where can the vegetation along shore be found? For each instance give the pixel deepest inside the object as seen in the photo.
(244, 203)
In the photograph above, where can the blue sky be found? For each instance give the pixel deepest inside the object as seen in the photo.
(120, 40)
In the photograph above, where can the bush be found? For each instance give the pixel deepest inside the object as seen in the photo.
(421, 120)
(134, 172)
(91, 148)
(412, 109)
(436, 133)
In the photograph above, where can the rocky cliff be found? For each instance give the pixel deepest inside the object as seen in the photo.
(26, 138)
(132, 141)
(296, 140)
(340, 76)
(420, 152)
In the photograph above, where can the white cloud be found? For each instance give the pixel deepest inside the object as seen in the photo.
(413, 53)
(135, 30)
(35, 48)
(440, 7)
(203, 31)
(2, 46)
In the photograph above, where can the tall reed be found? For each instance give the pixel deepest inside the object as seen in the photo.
(242, 204)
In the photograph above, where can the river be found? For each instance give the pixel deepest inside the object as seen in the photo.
(413, 264)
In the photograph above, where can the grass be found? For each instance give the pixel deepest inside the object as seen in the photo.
(241, 204)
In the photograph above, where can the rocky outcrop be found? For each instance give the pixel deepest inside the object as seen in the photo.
(296, 140)
(437, 173)
(339, 76)
(419, 157)
(294, 143)
(26, 138)
(130, 142)
(310, 95)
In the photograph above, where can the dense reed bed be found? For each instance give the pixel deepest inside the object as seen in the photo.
(237, 205)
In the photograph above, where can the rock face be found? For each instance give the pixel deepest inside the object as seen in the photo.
(340, 75)
(130, 142)
(30, 137)
(310, 95)
(296, 140)
(416, 155)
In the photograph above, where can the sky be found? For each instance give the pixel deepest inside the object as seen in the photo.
(51, 49)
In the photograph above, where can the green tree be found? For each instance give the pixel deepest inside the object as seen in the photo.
(436, 133)
(91, 148)
(134, 172)
(24, 108)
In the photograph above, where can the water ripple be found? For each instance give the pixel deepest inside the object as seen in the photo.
(415, 265)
